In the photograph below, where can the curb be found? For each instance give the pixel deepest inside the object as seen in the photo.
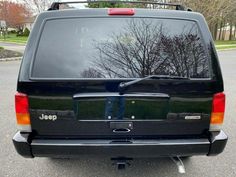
(10, 59)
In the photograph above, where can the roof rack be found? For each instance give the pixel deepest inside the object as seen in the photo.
(56, 5)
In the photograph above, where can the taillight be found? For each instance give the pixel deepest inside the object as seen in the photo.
(121, 11)
(218, 110)
(22, 111)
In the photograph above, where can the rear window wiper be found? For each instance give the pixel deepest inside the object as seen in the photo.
(123, 85)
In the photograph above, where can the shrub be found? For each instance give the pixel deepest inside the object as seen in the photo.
(12, 31)
(19, 33)
(26, 32)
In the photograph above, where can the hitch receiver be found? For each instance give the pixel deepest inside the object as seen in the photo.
(121, 162)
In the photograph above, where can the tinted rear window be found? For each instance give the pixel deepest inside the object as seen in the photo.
(120, 48)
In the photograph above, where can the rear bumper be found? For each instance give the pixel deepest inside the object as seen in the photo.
(134, 148)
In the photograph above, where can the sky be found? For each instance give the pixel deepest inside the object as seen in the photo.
(78, 5)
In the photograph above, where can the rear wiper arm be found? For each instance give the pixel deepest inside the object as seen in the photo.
(123, 85)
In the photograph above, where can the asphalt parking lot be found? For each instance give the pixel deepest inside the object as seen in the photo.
(11, 164)
(13, 46)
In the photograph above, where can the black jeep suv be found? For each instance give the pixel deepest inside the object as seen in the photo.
(119, 82)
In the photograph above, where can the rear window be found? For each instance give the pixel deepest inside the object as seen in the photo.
(119, 48)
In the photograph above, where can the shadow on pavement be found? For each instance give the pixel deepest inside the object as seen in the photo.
(103, 167)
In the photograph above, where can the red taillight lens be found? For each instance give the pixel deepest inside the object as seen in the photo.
(21, 103)
(218, 108)
(121, 11)
(22, 109)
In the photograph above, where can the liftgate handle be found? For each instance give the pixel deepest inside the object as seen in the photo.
(121, 130)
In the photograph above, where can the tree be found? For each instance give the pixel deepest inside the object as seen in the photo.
(115, 5)
(14, 14)
(218, 14)
(38, 6)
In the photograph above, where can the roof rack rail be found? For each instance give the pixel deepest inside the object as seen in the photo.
(56, 5)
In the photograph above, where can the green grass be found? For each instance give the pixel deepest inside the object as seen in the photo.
(225, 47)
(1, 48)
(225, 42)
(14, 39)
(221, 45)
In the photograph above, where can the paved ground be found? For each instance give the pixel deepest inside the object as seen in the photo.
(12, 164)
(12, 46)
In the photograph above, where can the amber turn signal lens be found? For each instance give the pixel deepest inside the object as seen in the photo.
(23, 119)
(217, 118)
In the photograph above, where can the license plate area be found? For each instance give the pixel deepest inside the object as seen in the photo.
(121, 107)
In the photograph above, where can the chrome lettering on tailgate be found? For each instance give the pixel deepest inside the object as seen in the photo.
(48, 117)
(192, 117)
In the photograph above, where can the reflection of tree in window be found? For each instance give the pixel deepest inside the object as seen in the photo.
(185, 55)
(91, 73)
(145, 47)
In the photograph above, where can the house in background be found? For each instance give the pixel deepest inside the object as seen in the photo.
(29, 22)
